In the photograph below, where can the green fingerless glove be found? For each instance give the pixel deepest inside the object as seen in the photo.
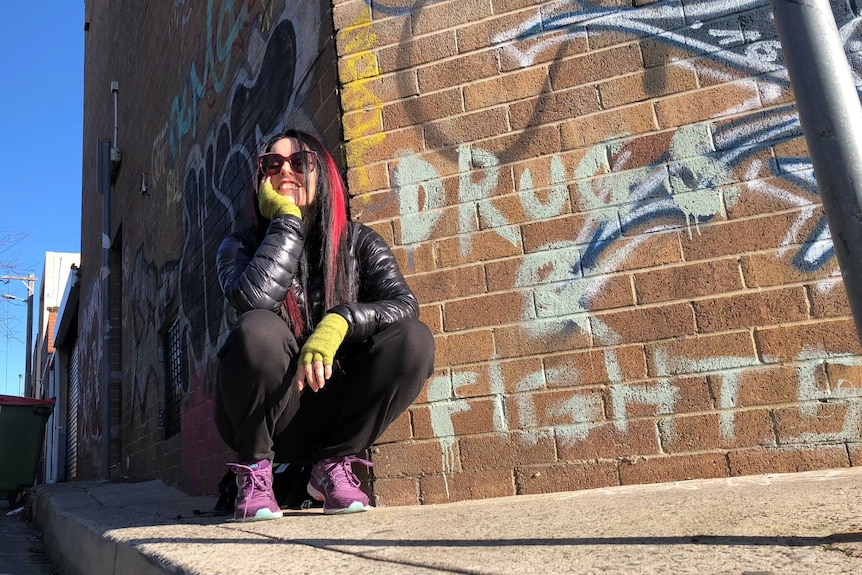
(273, 204)
(324, 340)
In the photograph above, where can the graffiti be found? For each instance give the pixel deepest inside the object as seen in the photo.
(159, 160)
(729, 386)
(624, 200)
(221, 36)
(582, 412)
(689, 181)
(649, 200)
(181, 16)
(559, 277)
(145, 326)
(185, 109)
(202, 174)
(214, 192)
(218, 184)
(443, 407)
(712, 31)
(625, 196)
(215, 188)
(150, 290)
(662, 396)
(665, 19)
(363, 117)
(90, 397)
(844, 392)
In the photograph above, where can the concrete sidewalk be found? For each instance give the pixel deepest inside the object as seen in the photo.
(767, 524)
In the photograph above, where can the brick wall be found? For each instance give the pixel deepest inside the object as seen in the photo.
(605, 208)
(607, 211)
(201, 85)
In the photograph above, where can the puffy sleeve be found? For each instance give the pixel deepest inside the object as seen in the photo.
(258, 275)
(383, 297)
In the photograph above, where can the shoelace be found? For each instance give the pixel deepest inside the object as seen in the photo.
(256, 478)
(347, 471)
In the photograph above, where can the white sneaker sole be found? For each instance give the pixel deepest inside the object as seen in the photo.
(354, 507)
(262, 515)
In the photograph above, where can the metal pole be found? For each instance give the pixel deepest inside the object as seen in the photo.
(29, 388)
(31, 368)
(831, 118)
(104, 184)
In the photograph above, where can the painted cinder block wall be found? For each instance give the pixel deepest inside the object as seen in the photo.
(606, 209)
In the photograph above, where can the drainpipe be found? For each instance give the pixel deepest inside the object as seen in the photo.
(831, 119)
(104, 168)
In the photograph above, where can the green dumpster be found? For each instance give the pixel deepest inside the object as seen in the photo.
(22, 432)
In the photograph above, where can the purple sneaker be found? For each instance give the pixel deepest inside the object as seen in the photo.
(255, 500)
(333, 482)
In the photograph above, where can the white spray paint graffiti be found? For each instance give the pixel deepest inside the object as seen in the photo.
(412, 176)
(693, 171)
(471, 193)
(498, 390)
(558, 195)
(723, 366)
(442, 408)
(570, 23)
(557, 297)
(662, 395)
(583, 410)
(844, 392)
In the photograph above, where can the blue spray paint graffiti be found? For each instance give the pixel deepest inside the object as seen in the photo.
(745, 39)
(185, 109)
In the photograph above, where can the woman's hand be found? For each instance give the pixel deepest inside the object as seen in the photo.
(318, 353)
(273, 204)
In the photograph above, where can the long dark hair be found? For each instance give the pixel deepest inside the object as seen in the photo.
(325, 250)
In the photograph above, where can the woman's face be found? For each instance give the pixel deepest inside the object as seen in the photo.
(299, 186)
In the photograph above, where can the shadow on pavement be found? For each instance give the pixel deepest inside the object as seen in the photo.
(718, 540)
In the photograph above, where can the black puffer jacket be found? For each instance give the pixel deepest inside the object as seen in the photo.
(257, 274)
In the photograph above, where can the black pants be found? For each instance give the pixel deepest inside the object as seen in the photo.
(261, 414)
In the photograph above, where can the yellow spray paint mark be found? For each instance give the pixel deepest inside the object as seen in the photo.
(363, 119)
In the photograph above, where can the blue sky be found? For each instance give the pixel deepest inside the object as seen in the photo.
(41, 123)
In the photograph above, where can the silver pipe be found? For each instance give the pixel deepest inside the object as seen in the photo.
(115, 88)
(831, 118)
(104, 176)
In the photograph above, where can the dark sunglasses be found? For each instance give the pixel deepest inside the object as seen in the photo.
(303, 161)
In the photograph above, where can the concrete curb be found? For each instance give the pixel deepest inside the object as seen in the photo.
(79, 524)
(768, 524)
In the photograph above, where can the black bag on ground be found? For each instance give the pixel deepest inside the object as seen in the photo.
(227, 491)
(289, 484)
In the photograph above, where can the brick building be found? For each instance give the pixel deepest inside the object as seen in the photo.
(605, 208)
